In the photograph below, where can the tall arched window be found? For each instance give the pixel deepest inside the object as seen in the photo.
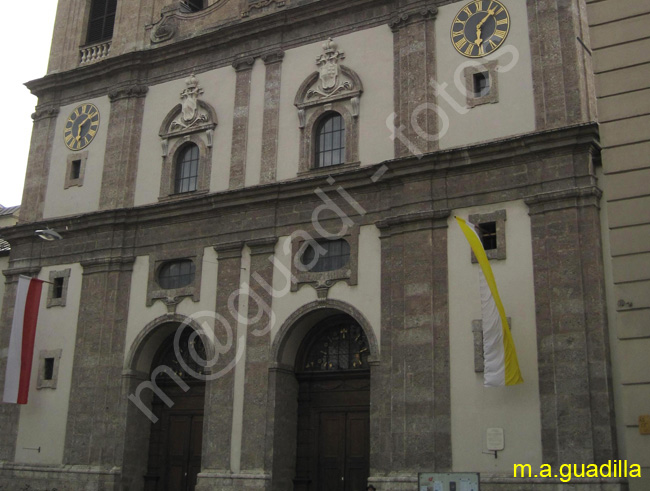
(330, 141)
(101, 20)
(187, 169)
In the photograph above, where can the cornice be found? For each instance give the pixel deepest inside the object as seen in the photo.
(255, 35)
(444, 163)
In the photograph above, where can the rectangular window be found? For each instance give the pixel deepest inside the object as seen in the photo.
(48, 369)
(57, 291)
(488, 232)
(75, 169)
(481, 84)
(101, 20)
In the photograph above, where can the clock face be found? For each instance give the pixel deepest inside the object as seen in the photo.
(81, 127)
(480, 28)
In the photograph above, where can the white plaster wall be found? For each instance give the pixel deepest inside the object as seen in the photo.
(515, 112)
(219, 92)
(76, 199)
(43, 420)
(369, 53)
(365, 296)
(140, 315)
(255, 124)
(474, 407)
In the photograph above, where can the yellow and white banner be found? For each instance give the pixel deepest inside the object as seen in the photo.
(501, 364)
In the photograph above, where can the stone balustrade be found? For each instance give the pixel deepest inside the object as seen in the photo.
(94, 52)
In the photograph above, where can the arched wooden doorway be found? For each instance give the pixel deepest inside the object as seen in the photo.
(176, 438)
(333, 449)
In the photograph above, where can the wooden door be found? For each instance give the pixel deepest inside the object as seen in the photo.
(183, 459)
(343, 451)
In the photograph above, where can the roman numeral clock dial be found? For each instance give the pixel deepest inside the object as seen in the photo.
(81, 127)
(480, 28)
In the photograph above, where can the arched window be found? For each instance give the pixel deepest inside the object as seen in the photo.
(330, 141)
(101, 20)
(339, 343)
(187, 169)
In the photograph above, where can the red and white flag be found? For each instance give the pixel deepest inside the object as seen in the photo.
(21, 344)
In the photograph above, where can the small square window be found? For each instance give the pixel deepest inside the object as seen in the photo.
(492, 230)
(488, 232)
(57, 288)
(75, 169)
(48, 369)
(481, 84)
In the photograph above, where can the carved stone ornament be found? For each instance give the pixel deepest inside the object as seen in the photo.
(332, 82)
(192, 115)
(165, 29)
(261, 5)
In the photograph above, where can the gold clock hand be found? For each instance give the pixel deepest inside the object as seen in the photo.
(79, 128)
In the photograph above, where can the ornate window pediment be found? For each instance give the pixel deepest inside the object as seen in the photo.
(332, 88)
(331, 82)
(191, 121)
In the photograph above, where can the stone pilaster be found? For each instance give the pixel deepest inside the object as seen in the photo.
(95, 428)
(244, 67)
(271, 117)
(575, 385)
(562, 68)
(218, 414)
(38, 163)
(410, 396)
(122, 147)
(415, 67)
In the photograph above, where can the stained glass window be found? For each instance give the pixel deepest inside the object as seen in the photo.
(342, 345)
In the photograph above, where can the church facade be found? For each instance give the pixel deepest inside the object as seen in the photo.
(271, 186)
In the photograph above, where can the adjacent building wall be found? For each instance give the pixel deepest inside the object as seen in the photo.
(620, 39)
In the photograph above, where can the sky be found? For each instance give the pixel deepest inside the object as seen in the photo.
(24, 49)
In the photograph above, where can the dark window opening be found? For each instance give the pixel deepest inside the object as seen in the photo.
(48, 369)
(192, 5)
(176, 274)
(481, 84)
(57, 291)
(75, 169)
(488, 232)
(336, 255)
(330, 141)
(101, 20)
(187, 169)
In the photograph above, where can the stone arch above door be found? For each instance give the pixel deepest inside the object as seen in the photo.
(291, 333)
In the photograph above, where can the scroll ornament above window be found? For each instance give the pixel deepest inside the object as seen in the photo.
(192, 115)
(332, 82)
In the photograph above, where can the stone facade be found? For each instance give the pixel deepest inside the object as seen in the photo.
(395, 210)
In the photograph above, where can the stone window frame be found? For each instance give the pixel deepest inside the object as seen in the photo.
(477, 331)
(347, 104)
(492, 97)
(172, 142)
(499, 217)
(174, 296)
(60, 301)
(41, 383)
(69, 181)
(323, 281)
